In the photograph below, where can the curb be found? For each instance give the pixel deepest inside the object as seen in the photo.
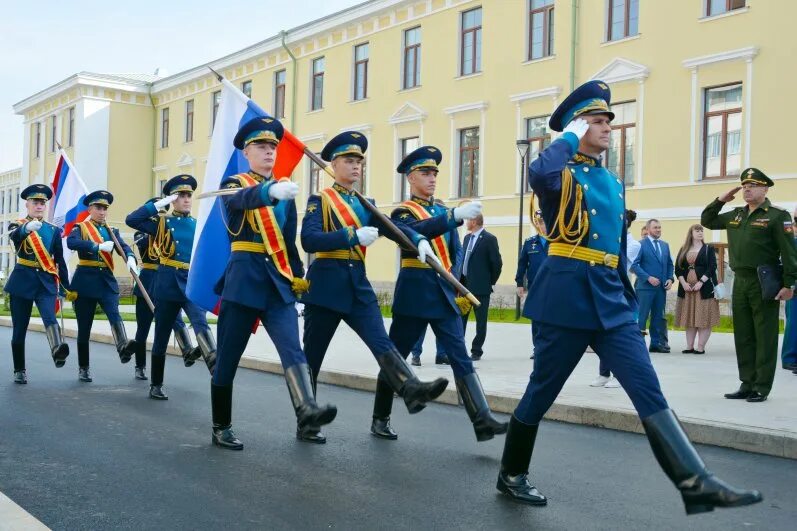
(765, 441)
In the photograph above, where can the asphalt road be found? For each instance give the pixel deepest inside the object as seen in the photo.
(104, 456)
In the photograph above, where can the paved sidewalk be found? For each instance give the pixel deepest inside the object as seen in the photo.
(694, 385)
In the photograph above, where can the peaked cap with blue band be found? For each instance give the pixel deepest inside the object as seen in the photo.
(426, 157)
(37, 191)
(98, 197)
(346, 143)
(593, 97)
(179, 183)
(261, 129)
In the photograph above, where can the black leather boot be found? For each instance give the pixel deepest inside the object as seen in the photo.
(406, 384)
(158, 368)
(309, 416)
(84, 375)
(472, 393)
(20, 377)
(187, 350)
(513, 479)
(125, 347)
(383, 406)
(18, 353)
(141, 374)
(156, 392)
(207, 348)
(221, 404)
(700, 489)
(58, 348)
(141, 360)
(311, 434)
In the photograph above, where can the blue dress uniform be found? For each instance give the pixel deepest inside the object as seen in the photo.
(259, 281)
(339, 289)
(532, 255)
(95, 283)
(422, 298)
(582, 297)
(38, 274)
(174, 242)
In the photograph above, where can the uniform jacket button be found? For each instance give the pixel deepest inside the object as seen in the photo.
(586, 169)
(595, 236)
(594, 212)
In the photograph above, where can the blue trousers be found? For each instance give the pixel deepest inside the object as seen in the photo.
(235, 324)
(559, 350)
(320, 324)
(144, 318)
(417, 348)
(166, 312)
(405, 330)
(651, 303)
(84, 312)
(788, 353)
(20, 314)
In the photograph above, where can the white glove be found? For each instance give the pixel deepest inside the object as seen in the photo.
(578, 127)
(106, 247)
(132, 265)
(166, 201)
(33, 225)
(284, 190)
(367, 235)
(468, 210)
(424, 250)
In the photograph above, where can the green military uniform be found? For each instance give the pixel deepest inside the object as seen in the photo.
(762, 237)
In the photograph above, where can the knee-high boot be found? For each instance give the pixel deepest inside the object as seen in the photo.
(472, 393)
(125, 347)
(187, 350)
(513, 479)
(221, 404)
(308, 413)
(58, 348)
(383, 407)
(405, 383)
(207, 348)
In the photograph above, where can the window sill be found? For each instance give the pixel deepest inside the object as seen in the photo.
(354, 102)
(410, 89)
(187, 142)
(719, 178)
(540, 60)
(315, 111)
(624, 39)
(727, 14)
(468, 76)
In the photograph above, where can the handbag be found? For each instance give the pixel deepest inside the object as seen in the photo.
(720, 290)
(771, 279)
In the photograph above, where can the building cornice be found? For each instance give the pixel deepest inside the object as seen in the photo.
(475, 106)
(550, 92)
(741, 54)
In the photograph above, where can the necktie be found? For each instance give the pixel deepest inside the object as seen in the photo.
(471, 242)
(658, 249)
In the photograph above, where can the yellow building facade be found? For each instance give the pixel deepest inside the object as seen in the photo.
(9, 211)
(698, 86)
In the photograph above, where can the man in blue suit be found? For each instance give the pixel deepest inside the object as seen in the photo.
(532, 255)
(653, 268)
(582, 297)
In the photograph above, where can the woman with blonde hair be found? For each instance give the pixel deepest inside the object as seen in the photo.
(696, 309)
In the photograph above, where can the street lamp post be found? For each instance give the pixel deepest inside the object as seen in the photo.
(523, 149)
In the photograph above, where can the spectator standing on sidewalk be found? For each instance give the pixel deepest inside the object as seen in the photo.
(532, 254)
(654, 269)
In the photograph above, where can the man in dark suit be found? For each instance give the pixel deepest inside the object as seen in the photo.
(653, 268)
(480, 271)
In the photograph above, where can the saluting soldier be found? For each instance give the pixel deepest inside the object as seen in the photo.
(338, 229)
(582, 297)
(94, 280)
(263, 274)
(532, 254)
(38, 276)
(174, 240)
(423, 298)
(148, 262)
(760, 235)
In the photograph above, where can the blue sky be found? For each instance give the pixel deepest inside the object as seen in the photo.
(44, 42)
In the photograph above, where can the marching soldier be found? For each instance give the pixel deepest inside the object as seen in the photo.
(38, 276)
(174, 240)
(338, 228)
(582, 297)
(263, 275)
(148, 261)
(532, 254)
(423, 298)
(94, 279)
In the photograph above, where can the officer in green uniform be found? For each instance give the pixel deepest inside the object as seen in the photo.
(759, 234)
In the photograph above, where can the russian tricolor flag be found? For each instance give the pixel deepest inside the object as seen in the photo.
(212, 245)
(67, 208)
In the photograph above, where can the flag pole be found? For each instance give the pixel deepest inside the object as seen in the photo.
(136, 278)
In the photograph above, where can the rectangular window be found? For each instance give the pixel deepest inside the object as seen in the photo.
(412, 58)
(279, 94)
(16, 198)
(622, 20)
(317, 84)
(314, 179)
(165, 127)
(361, 72)
(70, 139)
(539, 138)
(722, 131)
(52, 134)
(718, 7)
(189, 121)
(38, 139)
(246, 88)
(540, 29)
(470, 49)
(619, 157)
(469, 162)
(215, 100)
(408, 145)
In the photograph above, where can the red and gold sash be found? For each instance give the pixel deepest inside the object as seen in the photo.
(438, 244)
(90, 232)
(331, 200)
(43, 256)
(265, 222)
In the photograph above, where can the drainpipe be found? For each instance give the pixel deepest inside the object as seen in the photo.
(284, 35)
(573, 30)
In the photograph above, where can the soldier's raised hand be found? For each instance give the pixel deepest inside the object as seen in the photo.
(33, 225)
(166, 201)
(283, 191)
(106, 247)
(578, 127)
(728, 196)
(468, 211)
(367, 235)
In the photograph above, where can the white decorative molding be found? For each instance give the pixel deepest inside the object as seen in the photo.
(409, 112)
(162, 167)
(551, 92)
(748, 112)
(185, 160)
(620, 69)
(741, 54)
(321, 137)
(475, 106)
(693, 128)
(357, 127)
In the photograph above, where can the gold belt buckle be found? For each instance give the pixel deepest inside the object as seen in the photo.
(607, 259)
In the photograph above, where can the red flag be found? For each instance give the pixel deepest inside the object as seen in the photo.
(289, 152)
